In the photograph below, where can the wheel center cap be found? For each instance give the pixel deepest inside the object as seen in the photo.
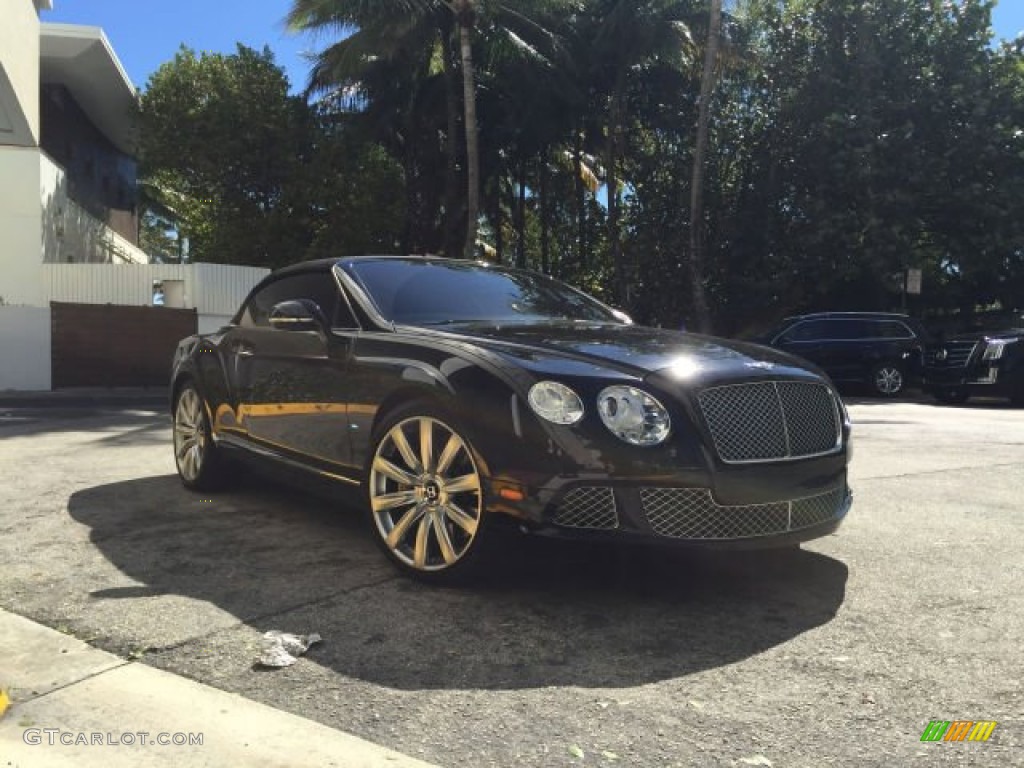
(431, 492)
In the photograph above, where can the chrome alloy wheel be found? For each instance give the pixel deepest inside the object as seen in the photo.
(888, 380)
(425, 494)
(190, 438)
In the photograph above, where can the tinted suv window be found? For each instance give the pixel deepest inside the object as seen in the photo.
(892, 329)
(807, 330)
(847, 329)
(318, 287)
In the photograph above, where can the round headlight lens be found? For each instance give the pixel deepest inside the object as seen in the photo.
(555, 402)
(633, 415)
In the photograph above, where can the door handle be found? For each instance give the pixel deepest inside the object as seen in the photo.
(242, 349)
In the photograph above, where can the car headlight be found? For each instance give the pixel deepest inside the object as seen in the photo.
(994, 349)
(555, 402)
(633, 415)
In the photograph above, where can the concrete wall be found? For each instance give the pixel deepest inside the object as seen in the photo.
(19, 71)
(21, 236)
(25, 346)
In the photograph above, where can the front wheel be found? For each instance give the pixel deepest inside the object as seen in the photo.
(425, 495)
(887, 380)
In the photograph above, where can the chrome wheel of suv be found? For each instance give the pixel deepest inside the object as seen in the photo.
(887, 379)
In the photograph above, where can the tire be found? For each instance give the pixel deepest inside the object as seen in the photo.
(887, 380)
(425, 497)
(951, 395)
(199, 461)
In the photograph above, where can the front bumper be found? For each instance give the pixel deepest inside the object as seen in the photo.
(693, 516)
(981, 380)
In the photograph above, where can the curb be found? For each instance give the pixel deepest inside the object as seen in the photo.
(153, 397)
(75, 706)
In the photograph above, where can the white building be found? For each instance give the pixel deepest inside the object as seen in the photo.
(68, 194)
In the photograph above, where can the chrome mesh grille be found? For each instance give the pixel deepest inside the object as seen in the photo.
(588, 507)
(771, 420)
(693, 513)
(954, 354)
(816, 509)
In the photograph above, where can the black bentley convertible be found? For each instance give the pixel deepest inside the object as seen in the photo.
(459, 395)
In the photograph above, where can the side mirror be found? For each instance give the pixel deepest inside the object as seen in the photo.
(297, 315)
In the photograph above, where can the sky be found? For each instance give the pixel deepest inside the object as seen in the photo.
(146, 34)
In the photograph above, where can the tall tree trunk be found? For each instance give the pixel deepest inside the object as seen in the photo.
(452, 208)
(499, 239)
(622, 277)
(521, 215)
(697, 238)
(466, 13)
(581, 202)
(545, 222)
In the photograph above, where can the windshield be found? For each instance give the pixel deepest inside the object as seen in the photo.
(441, 292)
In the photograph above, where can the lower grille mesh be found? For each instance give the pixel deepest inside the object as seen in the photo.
(693, 513)
(588, 507)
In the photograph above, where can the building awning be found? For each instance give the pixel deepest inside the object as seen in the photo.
(82, 60)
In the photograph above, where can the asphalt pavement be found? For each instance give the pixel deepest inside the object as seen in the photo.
(839, 654)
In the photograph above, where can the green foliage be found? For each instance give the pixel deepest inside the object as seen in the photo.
(848, 141)
(252, 175)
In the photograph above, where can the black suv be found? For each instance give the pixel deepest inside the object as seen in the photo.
(983, 364)
(880, 349)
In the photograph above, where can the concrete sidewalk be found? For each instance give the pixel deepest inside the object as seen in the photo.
(75, 706)
(89, 397)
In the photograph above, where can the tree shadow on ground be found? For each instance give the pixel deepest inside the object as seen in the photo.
(142, 425)
(549, 613)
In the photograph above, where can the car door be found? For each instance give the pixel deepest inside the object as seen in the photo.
(845, 343)
(293, 384)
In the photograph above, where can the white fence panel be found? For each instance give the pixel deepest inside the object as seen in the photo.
(219, 289)
(212, 289)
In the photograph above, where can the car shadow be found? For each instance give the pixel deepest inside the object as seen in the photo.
(549, 612)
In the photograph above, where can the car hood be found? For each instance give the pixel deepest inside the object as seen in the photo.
(580, 348)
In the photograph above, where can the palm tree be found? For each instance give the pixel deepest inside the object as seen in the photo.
(707, 85)
(378, 33)
(627, 35)
(465, 14)
(384, 71)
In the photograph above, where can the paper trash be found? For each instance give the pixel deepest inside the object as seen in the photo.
(280, 649)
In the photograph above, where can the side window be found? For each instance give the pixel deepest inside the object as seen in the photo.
(893, 329)
(850, 329)
(809, 330)
(318, 287)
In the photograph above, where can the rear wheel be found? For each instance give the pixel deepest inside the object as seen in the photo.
(425, 495)
(887, 380)
(197, 458)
